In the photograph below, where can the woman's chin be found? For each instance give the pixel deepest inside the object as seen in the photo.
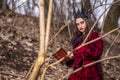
(82, 31)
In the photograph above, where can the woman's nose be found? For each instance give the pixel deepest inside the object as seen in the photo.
(80, 25)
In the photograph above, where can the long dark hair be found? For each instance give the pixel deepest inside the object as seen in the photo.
(78, 36)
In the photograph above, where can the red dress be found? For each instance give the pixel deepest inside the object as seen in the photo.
(85, 55)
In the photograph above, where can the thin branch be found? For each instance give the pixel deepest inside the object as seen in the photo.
(114, 3)
(59, 31)
(43, 73)
(57, 61)
(92, 63)
(46, 67)
(97, 38)
(86, 44)
(47, 35)
(108, 50)
(103, 21)
(93, 27)
(28, 73)
(12, 74)
(48, 24)
(97, 21)
(69, 31)
(15, 9)
(103, 25)
(106, 54)
(94, 3)
(71, 21)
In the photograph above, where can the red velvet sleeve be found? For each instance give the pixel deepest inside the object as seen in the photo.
(93, 50)
(77, 61)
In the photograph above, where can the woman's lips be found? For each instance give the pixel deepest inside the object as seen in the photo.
(81, 28)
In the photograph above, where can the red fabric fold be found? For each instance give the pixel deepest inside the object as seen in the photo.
(86, 55)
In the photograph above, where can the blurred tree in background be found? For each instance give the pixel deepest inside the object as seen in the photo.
(113, 17)
(63, 11)
(62, 17)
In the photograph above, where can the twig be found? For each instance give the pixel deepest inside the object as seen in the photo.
(91, 28)
(106, 54)
(94, 3)
(8, 73)
(108, 50)
(69, 31)
(103, 21)
(85, 44)
(59, 31)
(57, 62)
(92, 63)
(43, 73)
(0, 77)
(102, 25)
(27, 75)
(114, 3)
(16, 8)
(48, 24)
(46, 67)
(94, 26)
(96, 39)
(47, 36)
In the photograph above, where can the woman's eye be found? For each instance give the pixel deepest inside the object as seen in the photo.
(82, 22)
(77, 24)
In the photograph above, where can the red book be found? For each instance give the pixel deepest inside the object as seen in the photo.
(60, 54)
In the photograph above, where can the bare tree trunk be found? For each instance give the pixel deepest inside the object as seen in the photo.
(48, 24)
(46, 2)
(3, 6)
(40, 60)
(13, 5)
(47, 34)
(112, 17)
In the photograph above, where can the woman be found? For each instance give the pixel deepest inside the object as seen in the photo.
(88, 53)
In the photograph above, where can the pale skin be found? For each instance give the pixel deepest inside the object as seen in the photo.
(81, 26)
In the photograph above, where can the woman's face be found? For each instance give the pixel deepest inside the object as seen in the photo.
(81, 25)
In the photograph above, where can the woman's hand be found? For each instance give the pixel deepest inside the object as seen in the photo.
(70, 55)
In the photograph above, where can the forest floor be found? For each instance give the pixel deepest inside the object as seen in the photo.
(19, 46)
